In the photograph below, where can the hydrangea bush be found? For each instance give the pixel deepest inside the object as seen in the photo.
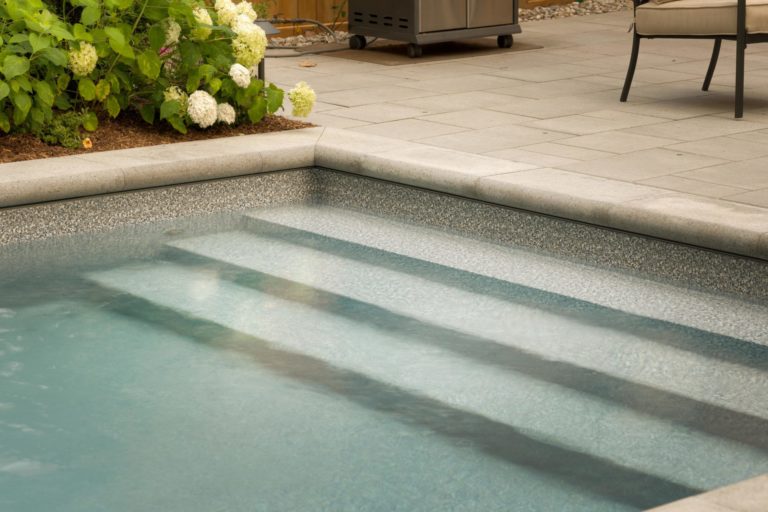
(183, 62)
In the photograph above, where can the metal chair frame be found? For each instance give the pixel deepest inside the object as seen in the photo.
(742, 39)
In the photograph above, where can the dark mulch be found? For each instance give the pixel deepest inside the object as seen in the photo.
(131, 131)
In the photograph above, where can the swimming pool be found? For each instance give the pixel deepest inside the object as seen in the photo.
(309, 357)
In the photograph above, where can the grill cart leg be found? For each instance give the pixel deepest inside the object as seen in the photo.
(504, 41)
(357, 42)
(414, 51)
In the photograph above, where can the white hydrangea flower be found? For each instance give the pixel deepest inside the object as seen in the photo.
(244, 8)
(172, 32)
(203, 19)
(226, 113)
(175, 93)
(226, 11)
(202, 109)
(240, 75)
(250, 44)
(302, 98)
(84, 60)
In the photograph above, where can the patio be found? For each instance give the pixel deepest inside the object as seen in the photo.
(557, 107)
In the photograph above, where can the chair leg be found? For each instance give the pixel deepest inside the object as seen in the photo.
(741, 46)
(712, 64)
(631, 69)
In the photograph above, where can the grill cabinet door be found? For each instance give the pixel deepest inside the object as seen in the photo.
(436, 15)
(486, 13)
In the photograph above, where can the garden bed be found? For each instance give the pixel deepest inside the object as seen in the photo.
(130, 131)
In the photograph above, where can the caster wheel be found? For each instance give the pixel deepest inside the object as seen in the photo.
(414, 51)
(357, 42)
(504, 41)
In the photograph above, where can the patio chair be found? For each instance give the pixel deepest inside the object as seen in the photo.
(743, 21)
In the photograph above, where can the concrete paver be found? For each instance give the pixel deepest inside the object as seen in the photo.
(556, 108)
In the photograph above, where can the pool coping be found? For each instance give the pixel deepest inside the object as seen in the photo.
(704, 222)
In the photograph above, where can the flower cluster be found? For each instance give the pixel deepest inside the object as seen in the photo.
(225, 113)
(302, 98)
(172, 32)
(174, 93)
(204, 21)
(202, 109)
(83, 60)
(226, 11)
(240, 75)
(245, 8)
(250, 43)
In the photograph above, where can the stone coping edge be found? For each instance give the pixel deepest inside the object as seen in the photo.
(699, 221)
(746, 496)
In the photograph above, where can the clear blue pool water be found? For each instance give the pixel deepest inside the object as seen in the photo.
(310, 359)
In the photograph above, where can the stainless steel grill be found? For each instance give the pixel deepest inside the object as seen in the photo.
(419, 22)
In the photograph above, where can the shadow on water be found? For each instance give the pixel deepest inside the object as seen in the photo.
(685, 338)
(591, 473)
(666, 405)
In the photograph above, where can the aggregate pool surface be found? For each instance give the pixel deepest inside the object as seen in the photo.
(263, 362)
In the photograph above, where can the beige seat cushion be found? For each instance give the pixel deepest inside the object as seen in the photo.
(699, 18)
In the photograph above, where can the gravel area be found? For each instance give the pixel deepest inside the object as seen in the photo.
(537, 13)
(574, 9)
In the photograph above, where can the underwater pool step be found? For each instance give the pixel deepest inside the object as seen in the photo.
(515, 332)
(711, 312)
(546, 412)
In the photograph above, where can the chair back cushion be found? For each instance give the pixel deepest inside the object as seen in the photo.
(698, 17)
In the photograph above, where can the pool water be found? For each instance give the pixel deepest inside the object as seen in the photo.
(310, 358)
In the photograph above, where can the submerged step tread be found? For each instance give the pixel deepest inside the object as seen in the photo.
(538, 331)
(713, 313)
(548, 412)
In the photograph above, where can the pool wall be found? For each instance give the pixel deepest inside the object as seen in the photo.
(695, 244)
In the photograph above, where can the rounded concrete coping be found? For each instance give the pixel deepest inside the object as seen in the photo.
(710, 223)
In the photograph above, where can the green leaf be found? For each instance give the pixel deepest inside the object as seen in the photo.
(87, 89)
(149, 64)
(259, 109)
(178, 124)
(274, 98)
(169, 108)
(90, 15)
(39, 42)
(4, 90)
(148, 113)
(114, 82)
(44, 93)
(102, 90)
(206, 71)
(156, 37)
(81, 33)
(193, 80)
(37, 116)
(61, 33)
(256, 86)
(118, 4)
(214, 85)
(113, 106)
(23, 102)
(62, 102)
(21, 83)
(13, 66)
(55, 56)
(190, 54)
(90, 121)
(5, 123)
(18, 38)
(118, 42)
(62, 82)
